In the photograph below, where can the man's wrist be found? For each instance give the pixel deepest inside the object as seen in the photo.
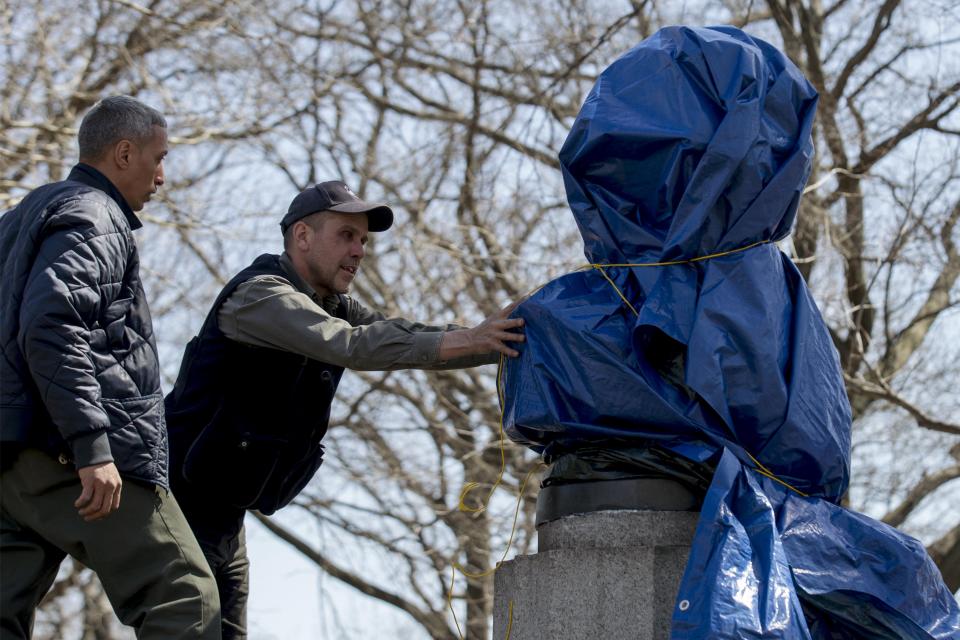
(456, 344)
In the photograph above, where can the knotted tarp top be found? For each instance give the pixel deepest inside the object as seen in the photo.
(692, 331)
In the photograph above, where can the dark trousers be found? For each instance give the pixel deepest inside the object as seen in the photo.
(145, 555)
(220, 532)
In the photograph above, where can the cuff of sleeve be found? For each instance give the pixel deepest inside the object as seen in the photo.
(426, 348)
(91, 449)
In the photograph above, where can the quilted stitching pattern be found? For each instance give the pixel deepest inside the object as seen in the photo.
(72, 306)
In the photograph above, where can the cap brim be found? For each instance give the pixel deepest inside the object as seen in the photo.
(379, 216)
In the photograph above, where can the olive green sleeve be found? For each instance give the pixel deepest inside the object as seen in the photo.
(268, 311)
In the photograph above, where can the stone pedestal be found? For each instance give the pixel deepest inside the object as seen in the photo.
(600, 575)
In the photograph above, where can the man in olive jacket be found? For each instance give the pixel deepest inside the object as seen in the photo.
(81, 412)
(252, 400)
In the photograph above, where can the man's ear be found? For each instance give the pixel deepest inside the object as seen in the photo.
(121, 154)
(300, 232)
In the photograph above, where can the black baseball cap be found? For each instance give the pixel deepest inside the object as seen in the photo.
(336, 196)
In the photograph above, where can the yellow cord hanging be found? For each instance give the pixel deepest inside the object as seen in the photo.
(456, 566)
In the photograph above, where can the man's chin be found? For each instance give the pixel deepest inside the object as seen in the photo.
(342, 284)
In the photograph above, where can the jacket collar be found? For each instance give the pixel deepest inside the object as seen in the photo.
(91, 177)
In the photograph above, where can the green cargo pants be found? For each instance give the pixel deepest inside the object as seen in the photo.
(144, 553)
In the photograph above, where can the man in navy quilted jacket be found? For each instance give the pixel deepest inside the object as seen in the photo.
(81, 412)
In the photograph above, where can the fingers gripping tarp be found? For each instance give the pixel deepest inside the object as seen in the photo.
(693, 331)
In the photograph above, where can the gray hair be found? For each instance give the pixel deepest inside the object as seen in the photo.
(314, 221)
(114, 119)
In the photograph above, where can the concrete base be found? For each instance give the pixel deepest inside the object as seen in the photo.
(607, 574)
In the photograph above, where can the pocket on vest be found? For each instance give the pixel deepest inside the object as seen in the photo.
(293, 482)
(232, 464)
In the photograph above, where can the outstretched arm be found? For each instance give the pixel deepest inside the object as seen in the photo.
(269, 311)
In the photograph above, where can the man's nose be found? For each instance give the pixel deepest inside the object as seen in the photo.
(359, 250)
(158, 179)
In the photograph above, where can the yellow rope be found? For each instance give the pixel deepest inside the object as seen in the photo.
(470, 486)
(617, 289)
(684, 261)
(766, 472)
(456, 566)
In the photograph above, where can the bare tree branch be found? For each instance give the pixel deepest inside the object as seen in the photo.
(926, 486)
(437, 628)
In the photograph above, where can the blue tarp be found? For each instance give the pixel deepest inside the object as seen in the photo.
(684, 166)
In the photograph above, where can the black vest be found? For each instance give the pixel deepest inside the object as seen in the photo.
(245, 422)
